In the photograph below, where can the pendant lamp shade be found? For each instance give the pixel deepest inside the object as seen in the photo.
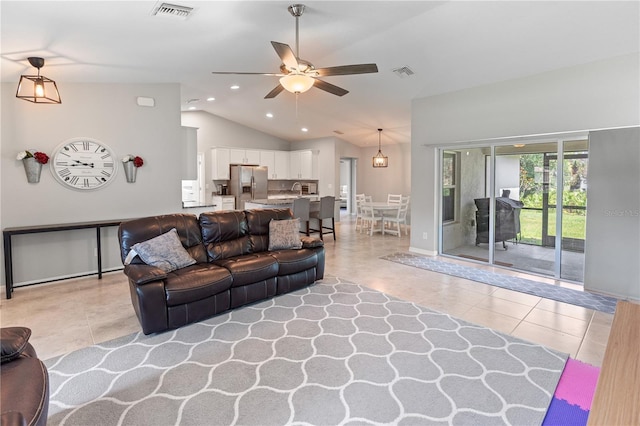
(379, 160)
(38, 88)
(297, 83)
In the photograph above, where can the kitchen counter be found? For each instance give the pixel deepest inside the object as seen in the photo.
(278, 204)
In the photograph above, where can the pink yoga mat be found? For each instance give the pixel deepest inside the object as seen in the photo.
(578, 383)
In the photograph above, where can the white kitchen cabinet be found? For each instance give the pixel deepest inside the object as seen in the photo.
(277, 163)
(225, 202)
(220, 160)
(244, 156)
(301, 165)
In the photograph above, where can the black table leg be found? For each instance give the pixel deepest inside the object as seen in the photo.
(99, 253)
(8, 265)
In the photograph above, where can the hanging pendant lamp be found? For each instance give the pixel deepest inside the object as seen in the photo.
(38, 88)
(379, 160)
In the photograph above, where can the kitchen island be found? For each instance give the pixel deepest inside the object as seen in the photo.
(279, 203)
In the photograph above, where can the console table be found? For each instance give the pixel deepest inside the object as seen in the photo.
(7, 233)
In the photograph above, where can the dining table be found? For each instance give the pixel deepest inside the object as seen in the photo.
(382, 207)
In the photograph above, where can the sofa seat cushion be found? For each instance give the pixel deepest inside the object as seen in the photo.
(196, 282)
(294, 261)
(250, 268)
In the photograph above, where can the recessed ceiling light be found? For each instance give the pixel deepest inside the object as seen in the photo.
(304, 129)
(211, 99)
(235, 87)
(192, 108)
(269, 115)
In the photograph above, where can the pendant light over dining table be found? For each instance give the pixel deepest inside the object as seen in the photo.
(379, 160)
(38, 88)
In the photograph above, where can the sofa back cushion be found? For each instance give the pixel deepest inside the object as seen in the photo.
(225, 234)
(143, 229)
(258, 221)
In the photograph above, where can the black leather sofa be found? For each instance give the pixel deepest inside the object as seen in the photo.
(233, 265)
(24, 380)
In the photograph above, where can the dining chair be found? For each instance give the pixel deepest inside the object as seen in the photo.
(300, 210)
(359, 200)
(327, 211)
(399, 218)
(370, 219)
(394, 198)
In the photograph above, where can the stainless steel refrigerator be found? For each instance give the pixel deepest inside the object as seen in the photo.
(248, 183)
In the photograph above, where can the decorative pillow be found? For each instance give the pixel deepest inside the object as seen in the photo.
(164, 251)
(284, 234)
(13, 340)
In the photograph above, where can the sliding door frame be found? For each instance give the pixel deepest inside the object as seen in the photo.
(491, 144)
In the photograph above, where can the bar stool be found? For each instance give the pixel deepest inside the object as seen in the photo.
(327, 208)
(301, 211)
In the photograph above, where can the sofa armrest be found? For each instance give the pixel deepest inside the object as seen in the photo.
(13, 341)
(141, 274)
(311, 242)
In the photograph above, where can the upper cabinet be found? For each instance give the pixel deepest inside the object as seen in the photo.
(283, 165)
(277, 163)
(244, 156)
(302, 165)
(220, 160)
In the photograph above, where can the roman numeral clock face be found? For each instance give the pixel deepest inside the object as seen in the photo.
(84, 164)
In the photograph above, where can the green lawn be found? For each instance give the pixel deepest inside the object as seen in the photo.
(573, 225)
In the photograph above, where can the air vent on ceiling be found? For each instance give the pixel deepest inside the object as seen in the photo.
(173, 11)
(403, 72)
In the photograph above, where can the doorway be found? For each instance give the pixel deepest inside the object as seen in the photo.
(347, 189)
(499, 205)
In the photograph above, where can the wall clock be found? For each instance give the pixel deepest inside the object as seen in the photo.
(84, 164)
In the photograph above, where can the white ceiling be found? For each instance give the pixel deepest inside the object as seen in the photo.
(450, 45)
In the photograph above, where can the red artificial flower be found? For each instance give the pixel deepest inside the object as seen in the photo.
(137, 161)
(41, 157)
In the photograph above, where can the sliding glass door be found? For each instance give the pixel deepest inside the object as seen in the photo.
(500, 203)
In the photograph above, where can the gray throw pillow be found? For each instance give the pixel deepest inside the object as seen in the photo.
(284, 234)
(164, 251)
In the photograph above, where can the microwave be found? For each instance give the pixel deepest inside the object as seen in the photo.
(309, 188)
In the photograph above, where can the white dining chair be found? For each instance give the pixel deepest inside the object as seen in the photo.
(394, 198)
(359, 200)
(370, 219)
(399, 218)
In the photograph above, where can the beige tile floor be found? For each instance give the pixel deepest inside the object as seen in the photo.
(71, 314)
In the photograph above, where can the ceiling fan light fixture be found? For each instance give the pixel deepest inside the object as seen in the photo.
(297, 83)
(380, 160)
(38, 88)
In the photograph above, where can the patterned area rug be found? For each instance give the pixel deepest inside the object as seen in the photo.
(560, 294)
(332, 353)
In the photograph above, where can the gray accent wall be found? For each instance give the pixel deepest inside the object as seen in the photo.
(612, 255)
(106, 112)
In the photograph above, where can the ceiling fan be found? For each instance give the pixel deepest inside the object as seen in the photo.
(298, 75)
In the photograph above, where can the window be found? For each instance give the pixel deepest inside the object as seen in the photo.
(449, 186)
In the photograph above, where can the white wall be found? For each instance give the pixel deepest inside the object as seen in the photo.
(105, 112)
(601, 94)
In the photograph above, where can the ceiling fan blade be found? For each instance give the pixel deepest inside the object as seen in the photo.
(328, 87)
(249, 73)
(347, 70)
(286, 54)
(275, 92)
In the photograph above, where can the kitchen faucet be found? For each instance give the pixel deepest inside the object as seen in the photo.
(293, 187)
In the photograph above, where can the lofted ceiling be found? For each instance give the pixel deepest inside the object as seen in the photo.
(449, 46)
